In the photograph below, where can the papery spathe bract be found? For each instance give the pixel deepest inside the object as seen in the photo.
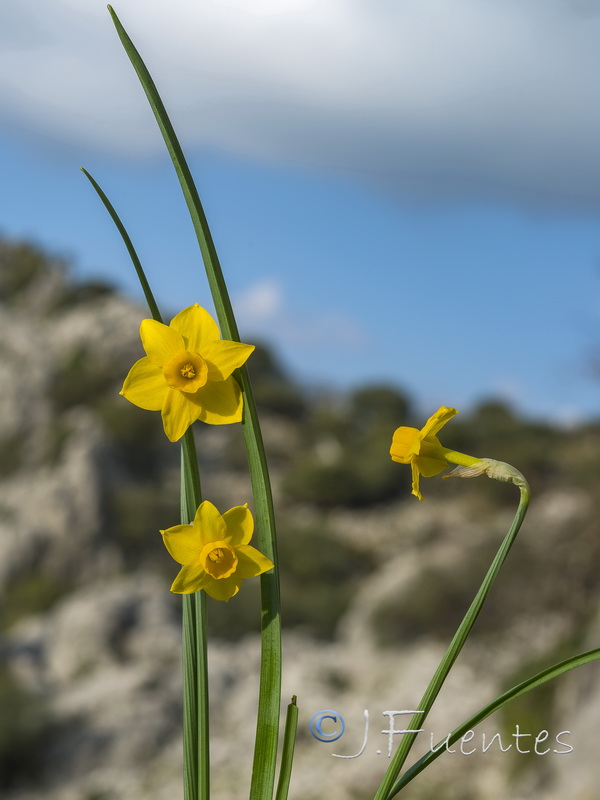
(186, 373)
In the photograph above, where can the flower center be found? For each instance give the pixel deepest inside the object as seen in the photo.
(219, 559)
(186, 371)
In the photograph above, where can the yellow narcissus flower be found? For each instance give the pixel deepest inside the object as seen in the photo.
(423, 450)
(186, 373)
(214, 552)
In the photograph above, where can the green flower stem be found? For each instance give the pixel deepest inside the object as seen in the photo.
(196, 769)
(196, 763)
(267, 732)
(462, 459)
(287, 751)
(385, 789)
(521, 688)
(431, 450)
(190, 698)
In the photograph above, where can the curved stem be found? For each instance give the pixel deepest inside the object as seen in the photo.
(385, 789)
(483, 713)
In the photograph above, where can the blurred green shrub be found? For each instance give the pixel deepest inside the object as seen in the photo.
(30, 276)
(21, 265)
(530, 446)
(319, 576)
(23, 720)
(138, 443)
(345, 460)
(81, 380)
(29, 594)
(438, 601)
(274, 391)
(138, 513)
(11, 454)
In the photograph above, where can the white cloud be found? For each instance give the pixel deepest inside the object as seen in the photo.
(261, 303)
(447, 99)
(263, 310)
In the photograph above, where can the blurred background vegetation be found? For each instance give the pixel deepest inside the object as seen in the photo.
(329, 454)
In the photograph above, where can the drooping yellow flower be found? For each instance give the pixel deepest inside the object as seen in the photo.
(214, 552)
(186, 372)
(423, 450)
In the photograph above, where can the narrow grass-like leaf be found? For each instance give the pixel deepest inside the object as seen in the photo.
(516, 691)
(191, 493)
(196, 770)
(190, 698)
(287, 751)
(195, 662)
(265, 752)
(456, 645)
(130, 248)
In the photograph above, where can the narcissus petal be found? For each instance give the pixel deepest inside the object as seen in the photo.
(209, 524)
(190, 579)
(145, 385)
(197, 327)
(178, 413)
(416, 489)
(223, 357)
(219, 402)
(240, 525)
(223, 589)
(183, 543)
(160, 342)
(251, 562)
(437, 421)
(428, 467)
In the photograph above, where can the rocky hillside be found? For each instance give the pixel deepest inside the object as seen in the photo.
(373, 581)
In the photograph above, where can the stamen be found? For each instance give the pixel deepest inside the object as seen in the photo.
(188, 371)
(216, 554)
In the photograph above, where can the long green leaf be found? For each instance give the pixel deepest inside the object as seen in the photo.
(456, 645)
(521, 688)
(265, 752)
(287, 751)
(152, 305)
(196, 770)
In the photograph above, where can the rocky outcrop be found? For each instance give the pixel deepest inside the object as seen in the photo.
(90, 681)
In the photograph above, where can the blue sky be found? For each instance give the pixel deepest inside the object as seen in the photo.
(399, 192)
